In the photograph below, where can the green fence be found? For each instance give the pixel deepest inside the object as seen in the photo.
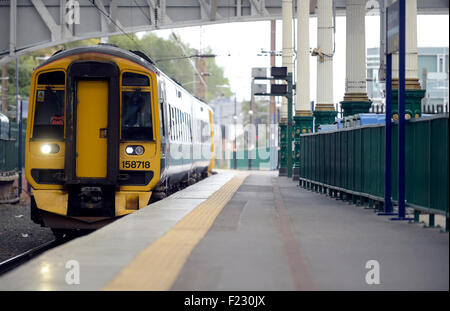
(352, 160)
(9, 152)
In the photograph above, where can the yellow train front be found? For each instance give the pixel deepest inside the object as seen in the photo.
(107, 131)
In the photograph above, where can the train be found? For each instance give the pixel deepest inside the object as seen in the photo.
(109, 132)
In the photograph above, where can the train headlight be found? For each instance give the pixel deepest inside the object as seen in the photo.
(49, 148)
(134, 150)
(129, 150)
(139, 150)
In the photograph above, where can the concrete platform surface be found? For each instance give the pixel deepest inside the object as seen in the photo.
(104, 253)
(274, 235)
(270, 234)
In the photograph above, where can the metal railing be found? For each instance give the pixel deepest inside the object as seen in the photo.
(426, 108)
(351, 161)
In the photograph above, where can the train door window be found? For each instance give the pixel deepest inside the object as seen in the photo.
(137, 121)
(190, 128)
(49, 106)
(181, 126)
(180, 114)
(187, 127)
(161, 109)
(175, 128)
(202, 131)
(161, 119)
(199, 131)
(178, 125)
(196, 130)
(172, 123)
(184, 127)
(169, 119)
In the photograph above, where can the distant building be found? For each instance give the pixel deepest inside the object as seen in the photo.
(433, 64)
(225, 109)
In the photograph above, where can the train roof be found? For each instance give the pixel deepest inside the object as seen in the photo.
(134, 56)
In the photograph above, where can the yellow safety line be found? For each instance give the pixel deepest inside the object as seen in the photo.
(158, 266)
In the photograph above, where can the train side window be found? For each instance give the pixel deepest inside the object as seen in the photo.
(49, 106)
(136, 116)
(134, 79)
(52, 78)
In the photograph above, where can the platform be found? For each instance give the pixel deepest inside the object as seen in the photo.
(245, 231)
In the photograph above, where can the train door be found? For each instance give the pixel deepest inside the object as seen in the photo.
(91, 128)
(93, 124)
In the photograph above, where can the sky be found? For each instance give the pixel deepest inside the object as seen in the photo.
(238, 45)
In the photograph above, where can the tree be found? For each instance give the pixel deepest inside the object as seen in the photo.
(217, 82)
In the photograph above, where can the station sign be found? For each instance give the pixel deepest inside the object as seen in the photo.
(259, 72)
(278, 89)
(259, 88)
(393, 27)
(278, 72)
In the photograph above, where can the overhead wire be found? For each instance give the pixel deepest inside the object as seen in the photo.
(148, 17)
(140, 47)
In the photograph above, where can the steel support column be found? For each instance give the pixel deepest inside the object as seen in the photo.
(324, 112)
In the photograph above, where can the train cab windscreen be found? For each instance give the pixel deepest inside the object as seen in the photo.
(49, 108)
(136, 108)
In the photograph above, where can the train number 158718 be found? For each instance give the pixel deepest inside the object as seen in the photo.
(135, 164)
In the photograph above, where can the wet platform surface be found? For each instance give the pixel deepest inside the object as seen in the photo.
(269, 234)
